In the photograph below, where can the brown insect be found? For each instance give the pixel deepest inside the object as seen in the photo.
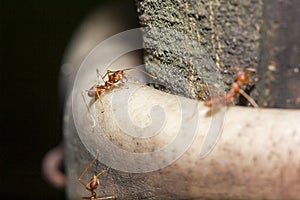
(92, 185)
(242, 78)
(113, 77)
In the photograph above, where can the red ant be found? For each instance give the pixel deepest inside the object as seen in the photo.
(241, 78)
(94, 182)
(113, 77)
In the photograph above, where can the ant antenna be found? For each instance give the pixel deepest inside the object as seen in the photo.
(88, 108)
(148, 74)
(130, 68)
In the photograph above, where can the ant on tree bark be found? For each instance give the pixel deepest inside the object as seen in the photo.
(242, 78)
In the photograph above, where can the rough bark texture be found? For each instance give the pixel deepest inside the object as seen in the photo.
(280, 60)
(227, 32)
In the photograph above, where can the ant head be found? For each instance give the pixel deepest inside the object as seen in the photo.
(121, 72)
(241, 76)
(235, 87)
(119, 75)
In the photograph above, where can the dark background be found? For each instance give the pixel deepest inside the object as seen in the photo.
(33, 39)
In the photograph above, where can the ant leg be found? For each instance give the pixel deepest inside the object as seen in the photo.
(134, 68)
(102, 172)
(88, 108)
(100, 198)
(104, 198)
(85, 102)
(109, 197)
(87, 168)
(250, 70)
(126, 79)
(99, 75)
(101, 103)
(248, 98)
(120, 86)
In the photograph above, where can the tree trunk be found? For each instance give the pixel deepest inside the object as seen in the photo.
(227, 34)
(280, 60)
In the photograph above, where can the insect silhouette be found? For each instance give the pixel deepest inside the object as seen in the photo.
(110, 80)
(92, 185)
(242, 78)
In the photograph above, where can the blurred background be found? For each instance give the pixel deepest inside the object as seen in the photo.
(33, 38)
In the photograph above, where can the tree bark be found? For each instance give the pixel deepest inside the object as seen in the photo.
(280, 60)
(227, 34)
